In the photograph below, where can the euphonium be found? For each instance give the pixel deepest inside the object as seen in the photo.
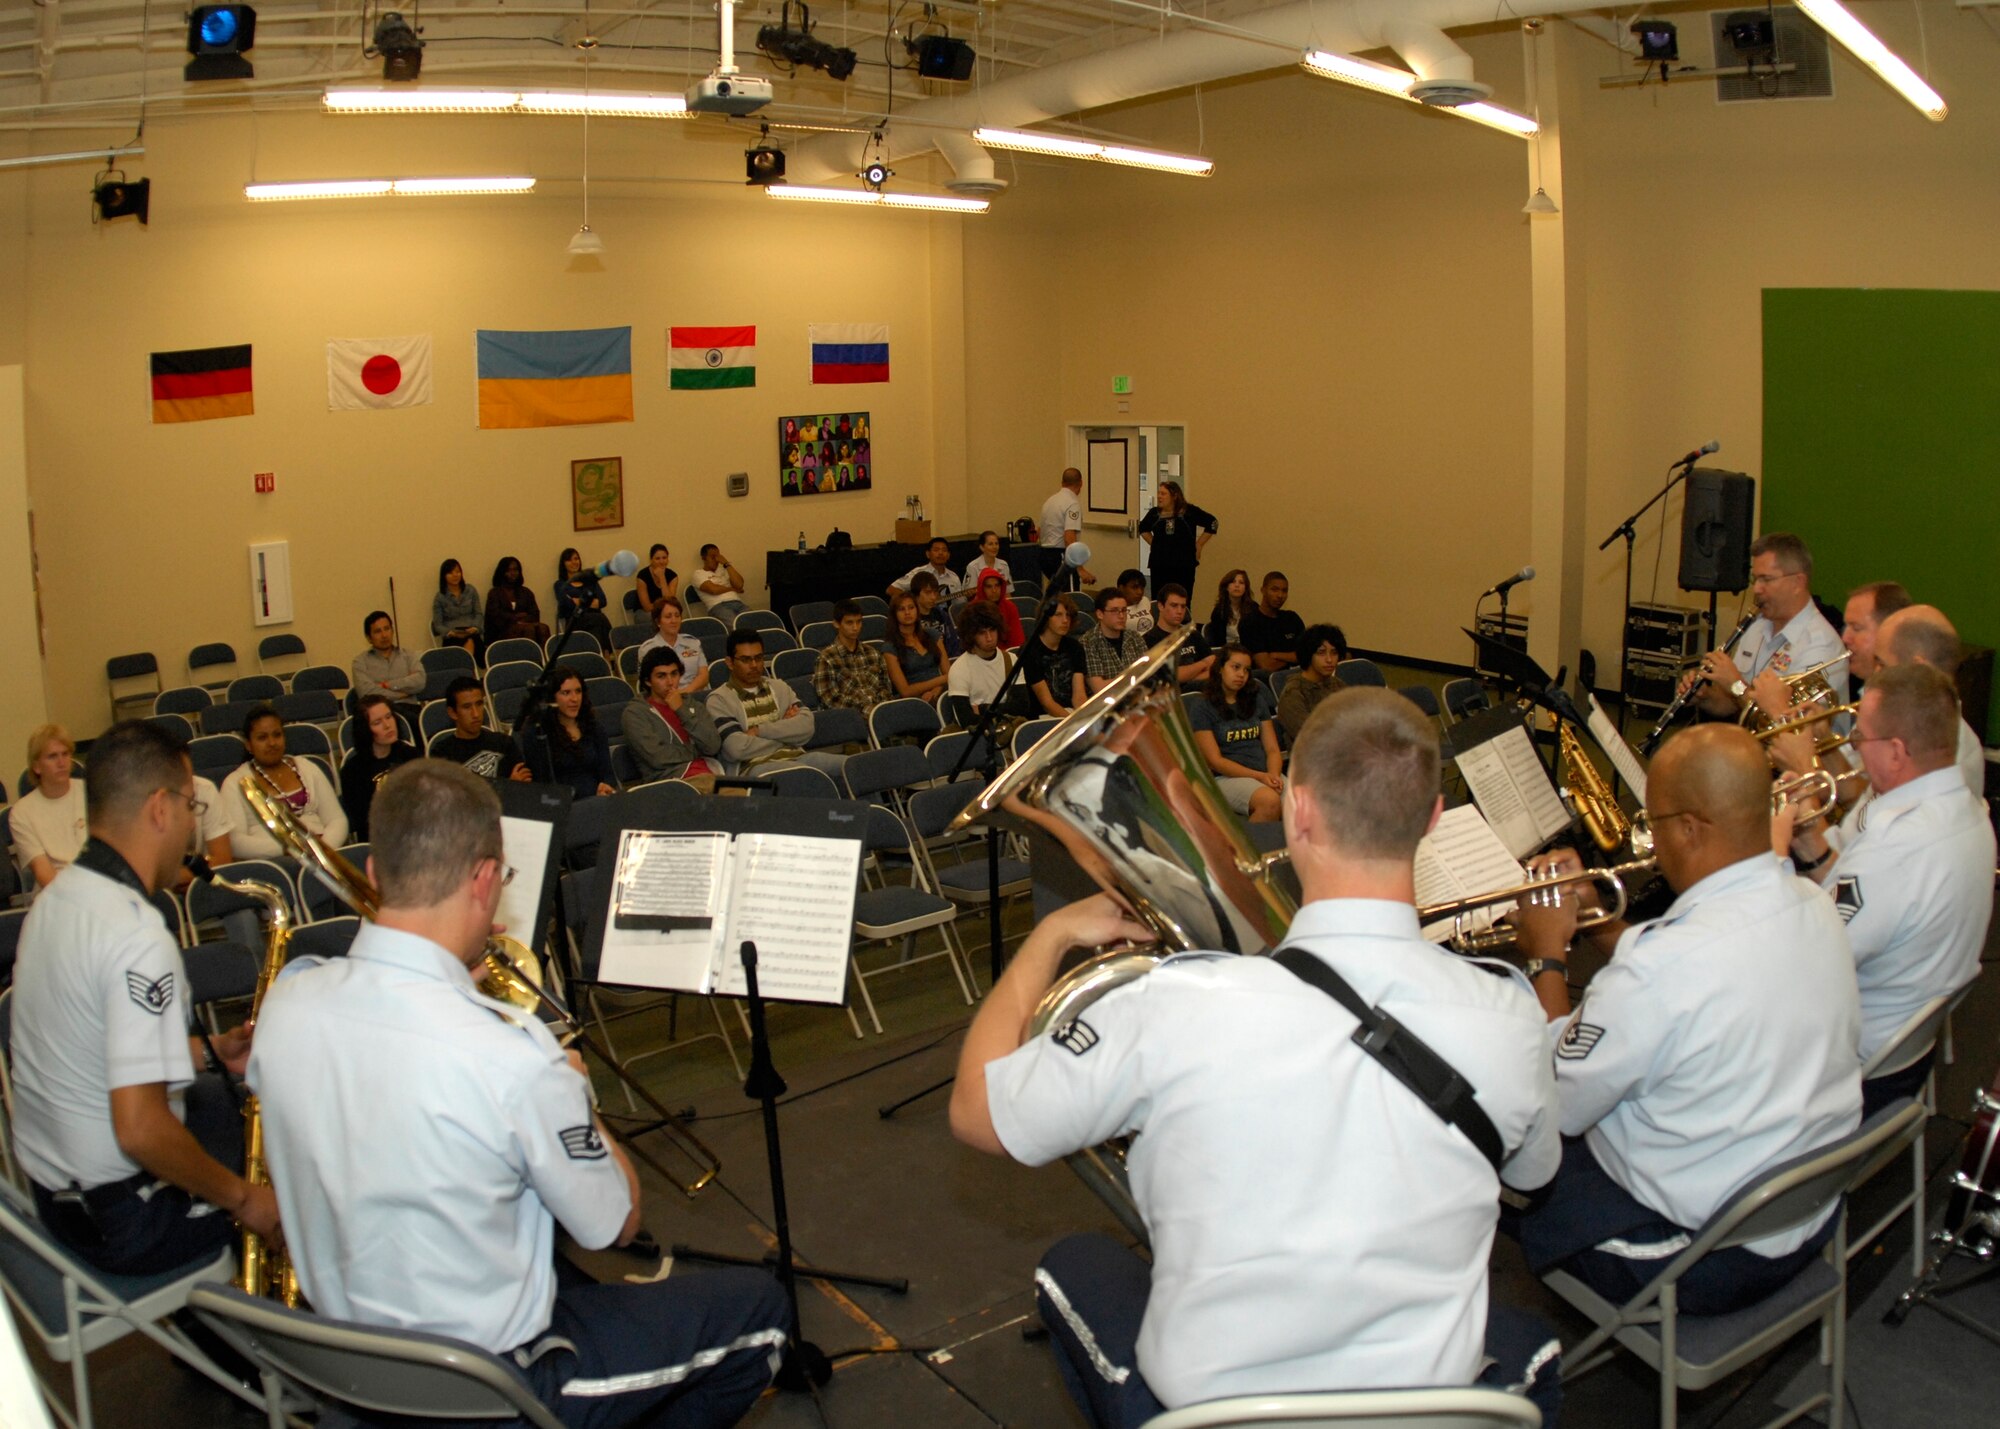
(1590, 798)
(1123, 787)
(263, 1269)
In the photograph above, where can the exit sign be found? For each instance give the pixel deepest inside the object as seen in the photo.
(1121, 386)
(267, 482)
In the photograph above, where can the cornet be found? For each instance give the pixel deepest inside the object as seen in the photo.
(1811, 717)
(1542, 890)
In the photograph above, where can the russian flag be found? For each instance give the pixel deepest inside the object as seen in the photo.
(849, 352)
(555, 379)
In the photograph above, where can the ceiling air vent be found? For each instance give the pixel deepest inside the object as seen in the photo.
(1793, 40)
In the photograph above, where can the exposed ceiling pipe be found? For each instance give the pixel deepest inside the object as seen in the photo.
(972, 172)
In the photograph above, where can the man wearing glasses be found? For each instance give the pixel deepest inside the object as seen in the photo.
(133, 1155)
(1720, 1040)
(761, 721)
(1789, 636)
(426, 1140)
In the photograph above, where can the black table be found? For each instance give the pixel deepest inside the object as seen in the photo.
(795, 577)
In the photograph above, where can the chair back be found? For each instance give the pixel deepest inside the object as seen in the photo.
(1450, 1408)
(577, 642)
(1360, 672)
(1280, 679)
(809, 612)
(1086, 604)
(627, 662)
(324, 937)
(944, 752)
(608, 694)
(210, 656)
(400, 1372)
(932, 810)
(510, 674)
(182, 699)
(307, 739)
(1463, 697)
(701, 627)
(505, 705)
(589, 664)
(139, 665)
(759, 620)
(320, 677)
(629, 637)
(903, 719)
(321, 902)
(279, 647)
(1422, 696)
(624, 763)
(801, 781)
(432, 720)
(818, 635)
(206, 901)
(874, 627)
(713, 647)
(778, 639)
(230, 716)
(512, 648)
(635, 613)
(1034, 729)
(795, 668)
(308, 706)
(1911, 1042)
(255, 687)
(173, 724)
(215, 756)
(881, 771)
(454, 658)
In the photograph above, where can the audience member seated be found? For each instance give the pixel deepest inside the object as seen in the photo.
(720, 585)
(1196, 657)
(565, 744)
(931, 613)
(580, 599)
(1270, 632)
(386, 668)
(486, 752)
(1053, 662)
(993, 594)
(1232, 603)
(1320, 651)
(851, 675)
(918, 665)
(49, 822)
(938, 554)
(511, 610)
(670, 735)
(667, 634)
(369, 762)
(657, 580)
(456, 614)
(978, 674)
(1234, 731)
(298, 783)
(1138, 610)
(760, 720)
(213, 828)
(1108, 647)
(988, 559)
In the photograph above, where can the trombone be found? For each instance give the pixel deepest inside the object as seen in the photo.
(1542, 890)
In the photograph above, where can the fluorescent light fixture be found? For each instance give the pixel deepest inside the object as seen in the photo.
(382, 188)
(1385, 79)
(1064, 147)
(611, 105)
(938, 203)
(1860, 41)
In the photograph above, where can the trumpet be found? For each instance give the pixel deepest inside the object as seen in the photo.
(1813, 784)
(1812, 716)
(1542, 890)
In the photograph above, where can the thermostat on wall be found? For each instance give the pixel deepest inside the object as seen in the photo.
(739, 483)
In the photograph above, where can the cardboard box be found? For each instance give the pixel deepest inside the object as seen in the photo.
(913, 533)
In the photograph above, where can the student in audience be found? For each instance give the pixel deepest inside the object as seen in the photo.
(670, 735)
(978, 674)
(213, 827)
(1320, 651)
(486, 752)
(1054, 662)
(379, 751)
(938, 556)
(1234, 731)
(1197, 659)
(511, 611)
(579, 598)
(851, 675)
(720, 585)
(988, 559)
(1138, 610)
(298, 783)
(49, 821)
(993, 594)
(567, 745)
(1232, 603)
(456, 612)
(761, 722)
(657, 580)
(1270, 632)
(1108, 646)
(918, 665)
(931, 613)
(667, 633)
(386, 668)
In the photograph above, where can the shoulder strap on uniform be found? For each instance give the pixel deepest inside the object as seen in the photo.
(1404, 1055)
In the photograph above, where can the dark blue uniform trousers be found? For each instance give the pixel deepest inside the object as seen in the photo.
(1091, 1292)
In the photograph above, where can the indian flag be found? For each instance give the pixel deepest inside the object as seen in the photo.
(704, 358)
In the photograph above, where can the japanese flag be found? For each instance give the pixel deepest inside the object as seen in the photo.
(378, 372)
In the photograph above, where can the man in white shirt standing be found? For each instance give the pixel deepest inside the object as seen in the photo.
(1788, 637)
(426, 1140)
(1334, 1230)
(1061, 526)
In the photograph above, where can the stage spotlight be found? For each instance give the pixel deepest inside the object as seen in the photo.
(1750, 32)
(799, 47)
(217, 37)
(1659, 40)
(401, 51)
(763, 164)
(876, 175)
(942, 57)
(113, 197)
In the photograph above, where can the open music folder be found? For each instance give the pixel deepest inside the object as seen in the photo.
(1507, 780)
(683, 904)
(1462, 858)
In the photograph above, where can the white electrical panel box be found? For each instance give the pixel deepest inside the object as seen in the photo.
(270, 582)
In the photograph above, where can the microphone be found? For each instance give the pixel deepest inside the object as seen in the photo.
(1526, 573)
(623, 563)
(1076, 554)
(1705, 449)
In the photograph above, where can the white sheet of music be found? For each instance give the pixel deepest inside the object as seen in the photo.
(1512, 789)
(794, 898)
(1623, 758)
(1461, 858)
(524, 847)
(665, 908)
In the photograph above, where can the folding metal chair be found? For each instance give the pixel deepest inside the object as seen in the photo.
(513, 648)
(1034, 729)
(577, 642)
(308, 739)
(212, 656)
(324, 938)
(1360, 672)
(799, 781)
(320, 677)
(809, 612)
(759, 620)
(320, 707)
(903, 721)
(1452, 1408)
(702, 627)
(261, 688)
(173, 724)
(608, 695)
(1912, 1042)
(182, 700)
(818, 635)
(884, 910)
(139, 665)
(273, 648)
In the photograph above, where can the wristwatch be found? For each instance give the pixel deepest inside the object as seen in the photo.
(1535, 967)
(1737, 689)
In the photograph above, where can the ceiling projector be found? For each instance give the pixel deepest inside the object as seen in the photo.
(729, 94)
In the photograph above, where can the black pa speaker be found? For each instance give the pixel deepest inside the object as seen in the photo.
(1715, 530)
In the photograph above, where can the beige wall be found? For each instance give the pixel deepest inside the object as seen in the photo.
(23, 701)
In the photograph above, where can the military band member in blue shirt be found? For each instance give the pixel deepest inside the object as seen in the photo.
(426, 1139)
(1788, 637)
(1314, 1224)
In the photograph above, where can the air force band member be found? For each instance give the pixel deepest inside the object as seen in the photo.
(1789, 635)
(1281, 1169)
(426, 1139)
(1921, 635)
(1913, 876)
(134, 1158)
(1720, 1040)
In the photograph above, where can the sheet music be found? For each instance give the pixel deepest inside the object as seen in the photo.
(1460, 858)
(524, 846)
(1623, 758)
(1513, 791)
(665, 903)
(794, 899)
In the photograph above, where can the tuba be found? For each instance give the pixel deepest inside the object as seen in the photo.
(1122, 786)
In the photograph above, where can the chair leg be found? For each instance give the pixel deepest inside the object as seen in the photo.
(79, 1363)
(274, 1399)
(1669, 1352)
(604, 1031)
(861, 985)
(722, 1031)
(1836, 1372)
(1918, 1216)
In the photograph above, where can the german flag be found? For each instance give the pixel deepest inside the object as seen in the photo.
(200, 383)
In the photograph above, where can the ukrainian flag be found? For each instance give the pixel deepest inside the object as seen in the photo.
(555, 379)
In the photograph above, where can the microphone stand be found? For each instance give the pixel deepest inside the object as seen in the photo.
(1627, 530)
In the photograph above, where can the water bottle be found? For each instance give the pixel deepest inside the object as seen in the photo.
(802, 543)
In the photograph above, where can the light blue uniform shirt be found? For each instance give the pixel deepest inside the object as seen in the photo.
(1807, 640)
(423, 1140)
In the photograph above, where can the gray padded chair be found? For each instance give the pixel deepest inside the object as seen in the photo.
(1360, 672)
(1454, 1408)
(1913, 1041)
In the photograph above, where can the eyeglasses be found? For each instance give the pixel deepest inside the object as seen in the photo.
(197, 807)
(1780, 576)
(507, 872)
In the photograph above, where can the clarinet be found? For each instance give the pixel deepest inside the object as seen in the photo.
(1673, 710)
